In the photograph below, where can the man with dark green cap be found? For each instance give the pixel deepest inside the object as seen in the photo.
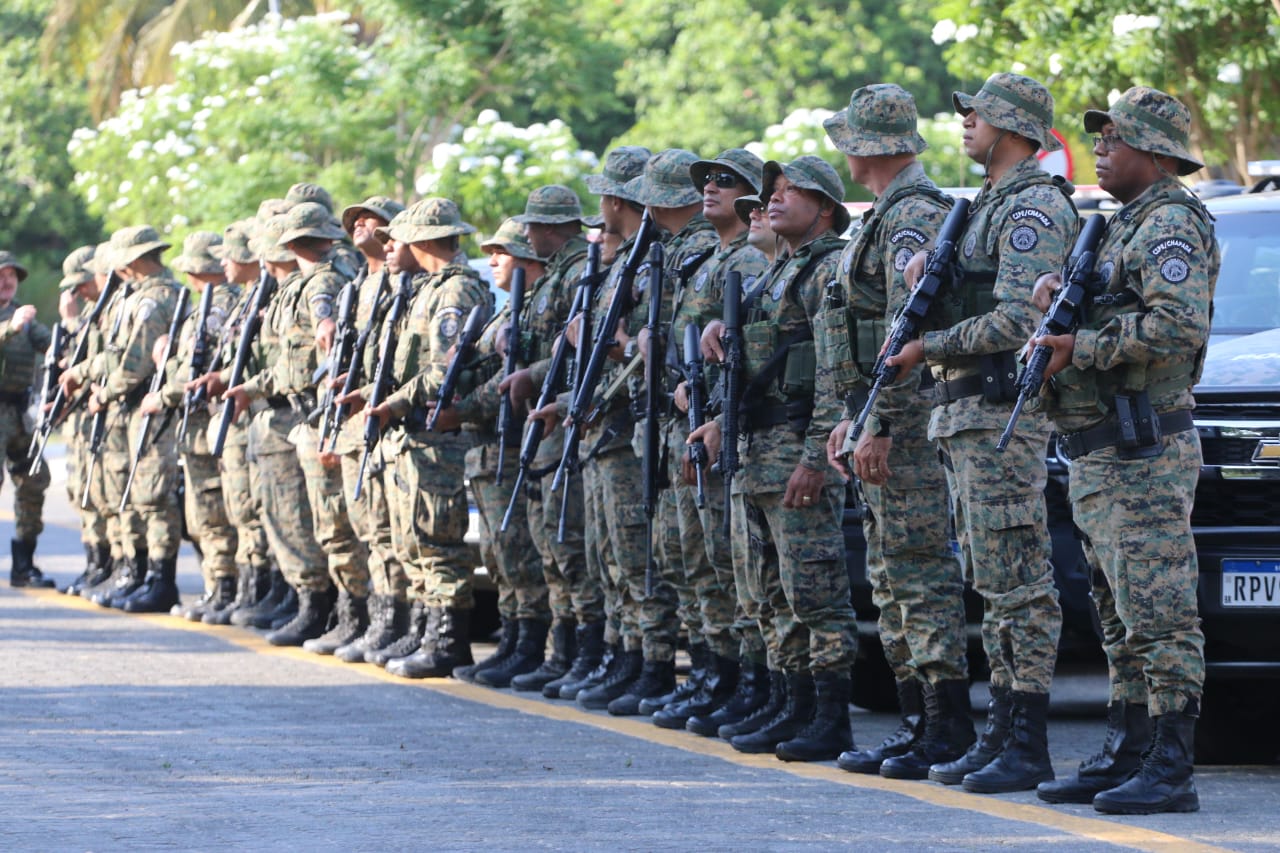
(22, 340)
(787, 502)
(1021, 225)
(916, 581)
(1143, 347)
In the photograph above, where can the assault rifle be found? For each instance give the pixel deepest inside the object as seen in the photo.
(355, 363)
(731, 339)
(693, 379)
(49, 387)
(199, 355)
(506, 417)
(463, 352)
(1062, 318)
(200, 395)
(265, 287)
(157, 382)
(382, 372)
(653, 392)
(59, 408)
(581, 359)
(910, 321)
(344, 339)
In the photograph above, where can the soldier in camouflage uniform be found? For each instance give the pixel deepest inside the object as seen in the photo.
(1142, 345)
(787, 502)
(206, 514)
(423, 479)
(1020, 226)
(916, 581)
(22, 340)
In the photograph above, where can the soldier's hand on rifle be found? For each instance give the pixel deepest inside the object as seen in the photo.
(681, 396)
(519, 386)
(94, 404)
(157, 351)
(325, 330)
(329, 460)
(211, 382)
(712, 349)
(835, 449)
(621, 338)
(22, 317)
(241, 399)
(804, 487)
(354, 401)
(572, 330)
(337, 383)
(151, 404)
(500, 342)
(69, 384)
(871, 459)
(912, 354)
(1062, 345)
(1046, 286)
(381, 412)
(709, 435)
(549, 415)
(915, 268)
(448, 420)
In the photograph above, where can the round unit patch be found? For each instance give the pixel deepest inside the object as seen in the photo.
(323, 309)
(700, 282)
(1174, 270)
(542, 303)
(1105, 271)
(778, 289)
(449, 324)
(1024, 238)
(970, 244)
(902, 258)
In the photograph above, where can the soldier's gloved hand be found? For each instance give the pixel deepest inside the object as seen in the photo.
(151, 404)
(1046, 286)
(915, 268)
(712, 349)
(709, 434)
(871, 458)
(835, 449)
(22, 317)
(519, 385)
(804, 487)
(681, 397)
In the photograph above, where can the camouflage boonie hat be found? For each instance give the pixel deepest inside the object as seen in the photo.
(428, 219)
(665, 181)
(8, 259)
(381, 206)
(551, 205)
(1152, 121)
(810, 173)
(129, 244)
(75, 269)
(197, 254)
(740, 161)
(744, 204)
(510, 238)
(265, 242)
(101, 263)
(880, 120)
(236, 243)
(622, 165)
(310, 219)
(1015, 103)
(270, 207)
(300, 193)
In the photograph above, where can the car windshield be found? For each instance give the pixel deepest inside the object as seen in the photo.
(1247, 298)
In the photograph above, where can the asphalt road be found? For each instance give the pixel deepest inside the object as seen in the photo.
(122, 732)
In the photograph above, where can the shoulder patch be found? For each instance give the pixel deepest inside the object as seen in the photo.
(450, 322)
(542, 304)
(779, 288)
(908, 234)
(322, 306)
(146, 307)
(1031, 213)
(1174, 270)
(700, 281)
(1024, 238)
(902, 258)
(1172, 243)
(970, 243)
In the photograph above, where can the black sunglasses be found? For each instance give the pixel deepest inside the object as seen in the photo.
(724, 180)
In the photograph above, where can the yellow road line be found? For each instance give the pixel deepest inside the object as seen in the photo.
(1094, 829)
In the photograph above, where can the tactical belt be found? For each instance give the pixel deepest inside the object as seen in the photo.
(13, 398)
(1077, 444)
(955, 389)
(795, 414)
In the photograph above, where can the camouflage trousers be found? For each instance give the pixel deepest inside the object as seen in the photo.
(28, 497)
(207, 520)
(998, 506)
(153, 499)
(242, 499)
(916, 581)
(348, 558)
(510, 557)
(427, 500)
(371, 520)
(106, 478)
(93, 525)
(1135, 515)
(708, 597)
(286, 507)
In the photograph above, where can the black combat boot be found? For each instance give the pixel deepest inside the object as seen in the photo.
(506, 648)
(617, 678)
(1128, 736)
(910, 705)
(407, 643)
(986, 747)
(656, 678)
(1024, 763)
(159, 590)
(1165, 782)
(564, 649)
(252, 615)
(129, 575)
(352, 621)
(699, 654)
(796, 713)
(22, 568)
(388, 622)
(287, 609)
(219, 597)
(97, 566)
(590, 641)
(948, 732)
(761, 716)
(446, 644)
(751, 693)
(528, 662)
(719, 681)
(102, 582)
(828, 733)
(252, 586)
(314, 608)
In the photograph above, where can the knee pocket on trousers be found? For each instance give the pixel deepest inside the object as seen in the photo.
(1157, 592)
(1005, 533)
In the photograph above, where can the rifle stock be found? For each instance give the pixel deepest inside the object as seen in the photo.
(693, 379)
(462, 354)
(732, 370)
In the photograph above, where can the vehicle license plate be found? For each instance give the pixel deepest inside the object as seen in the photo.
(1251, 583)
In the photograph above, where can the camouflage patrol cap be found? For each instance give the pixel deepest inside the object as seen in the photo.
(810, 173)
(623, 164)
(880, 120)
(510, 238)
(744, 204)
(272, 207)
(381, 206)
(428, 219)
(1152, 121)
(7, 259)
(310, 219)
(740, 161)
(303, 192)
(1014, 103)
(197, 255)
(237, 243)
(265, 242)
(551, 205)
(129, 244)
(76, 270)
(665, 181)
